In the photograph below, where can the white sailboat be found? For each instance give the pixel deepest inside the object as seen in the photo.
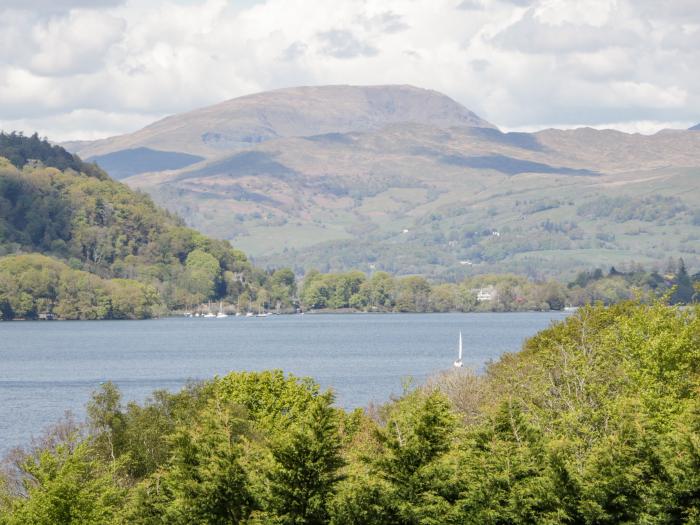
(209, 315)
(458, 363)
(221, 313)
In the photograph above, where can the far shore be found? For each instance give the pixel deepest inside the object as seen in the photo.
(329, 311)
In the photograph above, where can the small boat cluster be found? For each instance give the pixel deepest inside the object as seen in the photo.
(222, 315)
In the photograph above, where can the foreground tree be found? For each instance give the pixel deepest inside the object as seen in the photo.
(306, 467)
(68, 485)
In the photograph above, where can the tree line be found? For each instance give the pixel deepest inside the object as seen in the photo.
(596, 420)
(496, 293)
(386, 293)
(20, 150)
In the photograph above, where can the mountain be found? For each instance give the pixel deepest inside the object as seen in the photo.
(409, 181)
(695, 128)
(76, 244)
(295, 112)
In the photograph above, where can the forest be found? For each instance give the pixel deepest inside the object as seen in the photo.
(596, 420)
(79, 245)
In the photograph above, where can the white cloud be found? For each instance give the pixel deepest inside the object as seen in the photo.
(75, 44)
(79, 68)
(341, 43)
(81, 124)
(595, 13)
(52, 6)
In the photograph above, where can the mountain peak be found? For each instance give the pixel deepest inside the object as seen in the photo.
(343, 108)
(291, 112)
(695, 128)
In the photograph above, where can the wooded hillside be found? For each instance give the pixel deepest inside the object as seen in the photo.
(98, 235)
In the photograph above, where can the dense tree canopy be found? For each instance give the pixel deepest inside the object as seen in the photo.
(499, 293)
(20, 150)
(72, 212)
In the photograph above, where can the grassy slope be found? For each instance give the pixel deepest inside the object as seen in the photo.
(474, 202)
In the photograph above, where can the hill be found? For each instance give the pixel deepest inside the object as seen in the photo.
(294, 112)
(406, 180)
(80, 245)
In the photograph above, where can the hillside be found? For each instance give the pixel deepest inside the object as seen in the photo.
(77, 244)
(406, 180)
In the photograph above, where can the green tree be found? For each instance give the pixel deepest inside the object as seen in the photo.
(414, 442)
(283, 285)
(202, 272)
(69, 486)
(106, 421)
(504, 475)
(206, 479)
(683, 291)
(307, 461)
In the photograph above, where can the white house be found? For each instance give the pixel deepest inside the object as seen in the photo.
(486, 294)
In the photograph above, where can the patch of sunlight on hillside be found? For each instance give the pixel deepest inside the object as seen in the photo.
(268, 240)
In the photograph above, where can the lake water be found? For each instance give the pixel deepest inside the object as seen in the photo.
(47, 368)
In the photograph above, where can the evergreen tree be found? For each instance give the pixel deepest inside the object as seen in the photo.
(684, 291)
(307, 461)
(206, 479)
(414, 441)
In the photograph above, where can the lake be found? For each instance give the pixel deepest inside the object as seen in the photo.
(47, 368)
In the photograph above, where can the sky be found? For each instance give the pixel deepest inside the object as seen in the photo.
(86, 69)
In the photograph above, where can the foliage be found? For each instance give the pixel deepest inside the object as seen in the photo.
(622, 209)
(20, 150)
(139, 256)
(596, 420)
(208, 484)
(32, 285)
(383, 292)
(505, 292)
(66, 485)
(307, 460)
(616, 286)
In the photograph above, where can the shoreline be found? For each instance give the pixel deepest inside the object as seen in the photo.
(338, 312)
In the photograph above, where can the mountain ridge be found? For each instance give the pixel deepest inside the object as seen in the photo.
(400, 188)
(299, 111)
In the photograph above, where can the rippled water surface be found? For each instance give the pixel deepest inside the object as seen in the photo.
(47, 368)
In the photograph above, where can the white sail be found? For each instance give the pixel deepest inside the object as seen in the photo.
(221, 313)
(458, 363)
(209, 313)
